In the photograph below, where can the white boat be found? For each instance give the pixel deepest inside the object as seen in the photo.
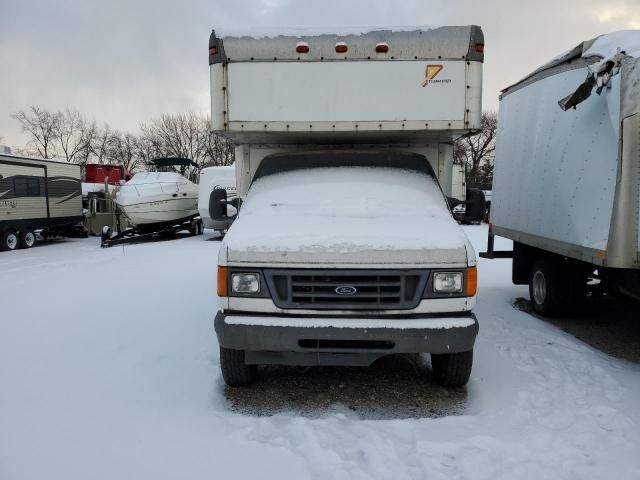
(158, 197)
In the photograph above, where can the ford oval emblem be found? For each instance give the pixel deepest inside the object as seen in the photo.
(346, 290)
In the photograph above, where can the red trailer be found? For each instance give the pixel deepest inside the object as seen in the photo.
(97, 173)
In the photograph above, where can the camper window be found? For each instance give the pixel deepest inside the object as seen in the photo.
(27, 187)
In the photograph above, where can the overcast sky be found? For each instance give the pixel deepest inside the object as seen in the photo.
(124, 62)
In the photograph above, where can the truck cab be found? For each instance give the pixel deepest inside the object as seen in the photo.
(344, 249)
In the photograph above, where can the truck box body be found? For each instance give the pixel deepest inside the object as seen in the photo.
(38, 194)
(427, 85)
(568, 182)
(343, 141)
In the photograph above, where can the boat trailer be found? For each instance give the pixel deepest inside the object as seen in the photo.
(143, 233)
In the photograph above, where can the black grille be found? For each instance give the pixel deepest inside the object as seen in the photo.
(361, 289)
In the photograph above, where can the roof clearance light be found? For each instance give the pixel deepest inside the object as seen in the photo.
(480, 47)
(382, 47)
(341, 47)
(213, 50)
(302, 47)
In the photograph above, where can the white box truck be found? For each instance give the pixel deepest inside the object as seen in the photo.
(566, 184)
(37, 196)
(344, 249)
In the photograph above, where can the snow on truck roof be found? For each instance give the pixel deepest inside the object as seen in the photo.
(361, 42)
(601, 47)
(300, 31)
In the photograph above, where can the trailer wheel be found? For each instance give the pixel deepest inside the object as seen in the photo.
(452, 370)
(27, 239)
(196, 227)
(548, 288)
(9, 240)
(235, 372)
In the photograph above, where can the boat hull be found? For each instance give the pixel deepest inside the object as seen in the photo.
(161, 209)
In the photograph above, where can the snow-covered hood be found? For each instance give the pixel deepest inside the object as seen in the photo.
(346, 216)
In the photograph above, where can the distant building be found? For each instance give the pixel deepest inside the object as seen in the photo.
(4, 149)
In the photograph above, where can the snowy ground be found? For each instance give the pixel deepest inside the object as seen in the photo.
(109, 370)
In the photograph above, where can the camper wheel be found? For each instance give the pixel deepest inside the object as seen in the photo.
(27, 238)
(9, 240)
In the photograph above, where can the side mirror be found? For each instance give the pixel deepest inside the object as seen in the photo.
(218, 204)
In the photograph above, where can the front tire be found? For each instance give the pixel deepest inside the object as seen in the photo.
(452, 370)
(9, 241)
(27, 239)
(235, 372)
(548, 288)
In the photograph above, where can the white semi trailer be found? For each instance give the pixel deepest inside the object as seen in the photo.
(344, 249)
(566, 184)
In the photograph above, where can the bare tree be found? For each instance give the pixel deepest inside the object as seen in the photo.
(218, 150)
(70, 134)
(42, 126)
(476, 152)
(148, 147)
(178, 136)
(123, 149)
(73, 134)
(99, 144)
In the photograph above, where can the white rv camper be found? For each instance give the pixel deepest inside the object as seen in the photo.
(37, 195)
(214, 178)
(344, 249)
(566, 184)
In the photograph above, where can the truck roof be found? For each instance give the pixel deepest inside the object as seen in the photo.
(402, 43)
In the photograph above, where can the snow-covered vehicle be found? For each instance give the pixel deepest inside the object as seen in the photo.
(333, 132)
(567, 173)
(215, 178)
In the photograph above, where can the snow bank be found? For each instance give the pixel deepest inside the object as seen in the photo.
(312, 30)
(116, 376)
(345, 209)
(606, 46)
(129, 387)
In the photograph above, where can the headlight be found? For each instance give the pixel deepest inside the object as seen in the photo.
(447, 282)
(245, 283)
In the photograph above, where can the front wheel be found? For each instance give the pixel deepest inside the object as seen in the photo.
(452, 370)
(235, 372)
(9, 240)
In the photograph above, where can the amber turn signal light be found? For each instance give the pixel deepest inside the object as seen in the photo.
(222, 281)
(472, 282)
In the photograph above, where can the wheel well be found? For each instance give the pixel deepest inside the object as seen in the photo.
(524, 256)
